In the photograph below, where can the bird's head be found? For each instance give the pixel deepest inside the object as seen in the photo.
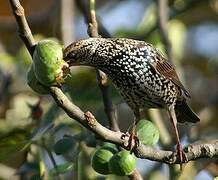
(81, 52)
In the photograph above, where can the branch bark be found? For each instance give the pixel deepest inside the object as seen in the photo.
(82, 4)
(192, 152)
(23, 30)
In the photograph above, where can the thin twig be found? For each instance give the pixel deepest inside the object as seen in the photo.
(101, 76)
(82, 4)
(51, 158)
(93, 24)
(24, 30)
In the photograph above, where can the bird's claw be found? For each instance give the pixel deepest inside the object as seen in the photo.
(182, 156)
(133, 141)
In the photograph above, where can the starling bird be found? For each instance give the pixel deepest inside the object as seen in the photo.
(141, 74)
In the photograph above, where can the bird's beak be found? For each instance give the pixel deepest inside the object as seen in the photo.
(72, 62)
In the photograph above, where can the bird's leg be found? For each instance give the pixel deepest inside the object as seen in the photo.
(179, 149)
(133, 139)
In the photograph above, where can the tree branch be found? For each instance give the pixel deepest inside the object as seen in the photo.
(24, 30)
(192, 152)
(101, 76)
(82, 4)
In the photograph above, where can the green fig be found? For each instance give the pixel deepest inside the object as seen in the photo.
(110, 147)
(34, 84)
(49, 66)
(147, 132)
(100, 160)
(123, 163)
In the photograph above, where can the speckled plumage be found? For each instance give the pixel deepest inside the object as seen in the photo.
(139, 71)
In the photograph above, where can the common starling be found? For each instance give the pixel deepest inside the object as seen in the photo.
(141, 74)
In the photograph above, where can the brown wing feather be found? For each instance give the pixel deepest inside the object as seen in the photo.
(167, 70)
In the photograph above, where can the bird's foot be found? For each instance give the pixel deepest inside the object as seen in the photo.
(133, 141)
(180, 152)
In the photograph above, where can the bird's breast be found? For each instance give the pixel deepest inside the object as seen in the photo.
(140, 86)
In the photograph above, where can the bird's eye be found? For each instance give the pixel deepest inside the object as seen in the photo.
(72, 55)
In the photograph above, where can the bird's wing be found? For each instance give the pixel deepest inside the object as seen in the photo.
(162, 66)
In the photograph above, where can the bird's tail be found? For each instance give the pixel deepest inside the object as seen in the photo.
(184, 112)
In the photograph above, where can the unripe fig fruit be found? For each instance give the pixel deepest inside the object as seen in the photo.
(49, 66)
(33, 82)
(110, 147)
(100, 160)
(123, 163)
(147, 132)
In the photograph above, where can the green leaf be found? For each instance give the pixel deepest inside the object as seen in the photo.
(61, 169)
(64, 145)
(12, 143)
(47, 123)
